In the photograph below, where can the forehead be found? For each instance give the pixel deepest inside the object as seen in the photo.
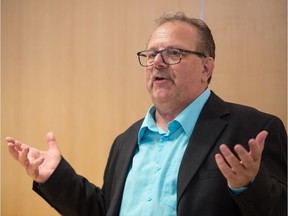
(174, 34)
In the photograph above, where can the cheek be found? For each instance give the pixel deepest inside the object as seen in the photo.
(189, 79)
(147, 78)
(194, 73)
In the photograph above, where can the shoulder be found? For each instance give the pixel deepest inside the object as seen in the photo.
(239, 115)
(239, 110)
(128, 137)
(134, 128)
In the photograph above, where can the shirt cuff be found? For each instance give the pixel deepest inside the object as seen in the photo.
(237, 191)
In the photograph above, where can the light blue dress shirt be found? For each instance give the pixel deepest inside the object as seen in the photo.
(151, 184)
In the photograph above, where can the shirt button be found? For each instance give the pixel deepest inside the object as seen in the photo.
(158, 167)
(148, 199)
(165, 138)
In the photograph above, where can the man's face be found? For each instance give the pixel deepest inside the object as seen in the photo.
(179, 84)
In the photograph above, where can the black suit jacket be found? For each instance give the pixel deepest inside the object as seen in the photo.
(201, 188)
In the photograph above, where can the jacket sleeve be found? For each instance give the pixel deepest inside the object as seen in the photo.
(267, 195)
(71, 194)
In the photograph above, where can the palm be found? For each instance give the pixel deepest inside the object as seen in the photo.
(240, 171)
(39, 165)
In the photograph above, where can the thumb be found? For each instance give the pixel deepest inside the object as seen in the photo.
(51, 141)
(261, 137)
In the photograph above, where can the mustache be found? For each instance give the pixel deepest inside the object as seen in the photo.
(161, 73)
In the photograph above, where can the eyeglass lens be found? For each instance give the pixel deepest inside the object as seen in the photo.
(169, 56)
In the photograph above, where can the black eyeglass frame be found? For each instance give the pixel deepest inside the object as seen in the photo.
(200, 54)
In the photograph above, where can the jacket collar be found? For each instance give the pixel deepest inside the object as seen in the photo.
(208, 127)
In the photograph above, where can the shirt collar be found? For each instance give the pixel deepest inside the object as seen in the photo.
(148, 123)
(187, 118)
(190, 114)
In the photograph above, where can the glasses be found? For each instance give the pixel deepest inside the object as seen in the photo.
(169, 56)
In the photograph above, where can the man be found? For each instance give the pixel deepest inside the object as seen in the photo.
(169, 163)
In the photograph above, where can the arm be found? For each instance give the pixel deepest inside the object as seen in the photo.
(267, 195)
(56, 181)
(71, 194)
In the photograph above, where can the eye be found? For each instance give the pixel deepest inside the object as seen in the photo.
(173, 53)
(142, 54)
(151, 55)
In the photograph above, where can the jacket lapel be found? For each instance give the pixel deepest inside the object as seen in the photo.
(128, 145)
(208, 127)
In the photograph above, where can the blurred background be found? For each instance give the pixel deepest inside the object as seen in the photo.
(70, 66)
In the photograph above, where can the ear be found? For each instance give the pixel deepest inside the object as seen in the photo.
(208, 67)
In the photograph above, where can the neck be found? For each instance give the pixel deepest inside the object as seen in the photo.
(167, 111)
(164, 115)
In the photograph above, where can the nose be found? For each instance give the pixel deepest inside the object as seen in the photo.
(159, 62)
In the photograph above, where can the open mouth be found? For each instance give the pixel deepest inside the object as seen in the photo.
(159, 78)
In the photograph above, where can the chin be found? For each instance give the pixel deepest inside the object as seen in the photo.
(162, 98)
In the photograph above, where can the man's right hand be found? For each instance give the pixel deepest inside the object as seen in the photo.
(39, 165)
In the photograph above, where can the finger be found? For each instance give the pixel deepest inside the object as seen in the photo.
(33, 169)
(20, 146)
(223, 167)
(231, 159)
(13, 151)
(36, 163)
(244, 156)
(23, 157)
(51, 141)
(257, 145)
(10, 140)
(255, 150)
(261, 137)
